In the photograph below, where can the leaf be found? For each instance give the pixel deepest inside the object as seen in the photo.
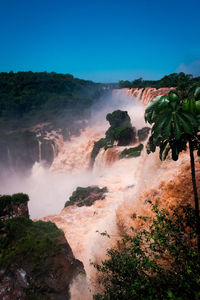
(152, 104)
(197, 104)
(151, 147)
(173, 97)
(159, 124)
(187, 128)
(177, 128)
(150, 110)
(163, 104)
(167, 128)
(166, 151)
(197, 93)
(190, 118)
(162, 148)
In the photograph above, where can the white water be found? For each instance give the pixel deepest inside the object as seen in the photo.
(49, 189)
(126, 180)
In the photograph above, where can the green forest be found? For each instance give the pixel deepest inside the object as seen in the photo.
(29, 97)
(173, 80)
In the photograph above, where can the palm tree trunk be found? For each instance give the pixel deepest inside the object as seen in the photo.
(196, 200)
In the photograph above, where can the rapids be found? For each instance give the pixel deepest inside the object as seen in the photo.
(130, 183)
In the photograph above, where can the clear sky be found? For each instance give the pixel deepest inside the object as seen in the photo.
(101, 40)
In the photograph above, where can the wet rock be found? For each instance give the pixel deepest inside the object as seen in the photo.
(86, 196)
(143, 133)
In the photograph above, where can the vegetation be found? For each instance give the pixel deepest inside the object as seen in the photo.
(22, 239)
(120, 130)
(86, 196)
(131, 152)
(159, 263)
(53, 101)
(28, 97)
(176, 122)
(173, 80)
(36, 262)
(102, 143)
(163, 261)
(8, 202)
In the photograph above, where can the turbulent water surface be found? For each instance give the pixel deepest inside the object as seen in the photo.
(129, 181)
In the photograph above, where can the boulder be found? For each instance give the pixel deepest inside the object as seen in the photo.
(86, 196)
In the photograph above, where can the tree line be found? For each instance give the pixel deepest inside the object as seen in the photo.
(42, 95)
(173, 80)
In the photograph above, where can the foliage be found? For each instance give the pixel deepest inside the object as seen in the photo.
(22, 239)
(53, 101)
(119, 118)
(86, 196)
(35, 97)
(120, 130)
(159, 263)
(131, 152)
(174, 124)
(173, 80)
(36, 261)
(124, 135)
(7, 201)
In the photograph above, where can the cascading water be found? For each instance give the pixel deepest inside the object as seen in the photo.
(40, 150)
(146, 95)
(129, 181)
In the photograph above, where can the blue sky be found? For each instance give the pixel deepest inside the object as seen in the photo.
(101, 40)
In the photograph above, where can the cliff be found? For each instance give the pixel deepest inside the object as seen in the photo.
(36, 261)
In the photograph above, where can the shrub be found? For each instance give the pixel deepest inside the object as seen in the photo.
(159, 263)
(21, 238)
(131, 152)
(86, 196)
(6, 202)
(120, 130)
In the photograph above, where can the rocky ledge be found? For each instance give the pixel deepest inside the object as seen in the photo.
(36, 261)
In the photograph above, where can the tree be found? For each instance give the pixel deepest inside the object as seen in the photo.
(158, 263)
(176, 122)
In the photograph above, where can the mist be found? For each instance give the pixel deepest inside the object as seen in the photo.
(50, 188)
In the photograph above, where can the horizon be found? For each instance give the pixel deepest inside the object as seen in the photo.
(101, 41)
(98, 82)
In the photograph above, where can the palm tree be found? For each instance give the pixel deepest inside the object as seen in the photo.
(175, 123)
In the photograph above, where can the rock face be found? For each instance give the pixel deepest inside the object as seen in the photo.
(20, 150)
(86, 196)
(120, 131)
(143, 134)
(36, 261)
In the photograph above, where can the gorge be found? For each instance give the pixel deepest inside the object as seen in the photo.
(57, 166)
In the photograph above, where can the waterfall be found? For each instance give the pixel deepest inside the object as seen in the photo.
(39, 150)
(54, 150)
(146, 95)
(130, 183)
